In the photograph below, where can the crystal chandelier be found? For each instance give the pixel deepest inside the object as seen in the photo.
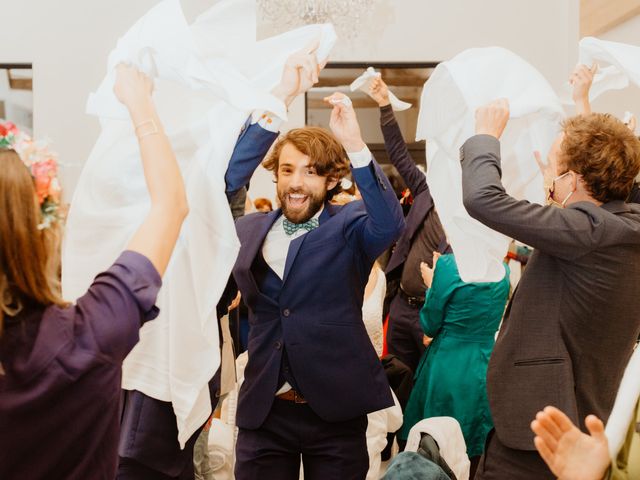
(347, 16)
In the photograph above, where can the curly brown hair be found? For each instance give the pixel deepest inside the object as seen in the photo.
(604, 152)
(327, 156)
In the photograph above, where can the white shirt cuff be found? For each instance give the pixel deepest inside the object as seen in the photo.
(267, 120)
(361, 158)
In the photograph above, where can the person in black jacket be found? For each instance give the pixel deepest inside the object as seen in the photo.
(423, 236)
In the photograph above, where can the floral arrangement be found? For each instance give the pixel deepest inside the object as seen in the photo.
(43, 165)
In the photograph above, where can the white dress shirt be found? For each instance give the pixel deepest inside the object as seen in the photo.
(276, 246)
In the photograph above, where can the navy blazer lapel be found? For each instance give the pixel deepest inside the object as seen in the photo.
(256, 240)
(294, 246)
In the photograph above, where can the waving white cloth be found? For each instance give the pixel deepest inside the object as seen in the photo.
(448, 435)
(449, 100)
(618, 64)
(210, 76)
(364, 81)
(625, 406)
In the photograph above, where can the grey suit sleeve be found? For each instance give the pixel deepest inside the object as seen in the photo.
(567, 233)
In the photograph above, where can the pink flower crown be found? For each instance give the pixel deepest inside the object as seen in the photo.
(43, 166)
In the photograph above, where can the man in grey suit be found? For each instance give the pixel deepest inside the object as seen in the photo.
(572, 322)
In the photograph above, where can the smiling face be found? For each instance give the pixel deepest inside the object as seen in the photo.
(301, 191)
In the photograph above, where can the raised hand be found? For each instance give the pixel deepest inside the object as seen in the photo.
(379, 91)
(132, 86)
(569, 453)
(581, 80)
(492, 118)
(344, 123)
(300, 73)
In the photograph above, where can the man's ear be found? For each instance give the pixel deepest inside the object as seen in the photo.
(331, 183)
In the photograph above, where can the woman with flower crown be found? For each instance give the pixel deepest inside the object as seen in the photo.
(61, 363)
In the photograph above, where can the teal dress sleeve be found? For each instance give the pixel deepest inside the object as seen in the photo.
(445, 281)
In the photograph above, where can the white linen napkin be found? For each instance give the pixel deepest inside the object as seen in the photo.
(209, 77)
(363, 82)
(450, 98)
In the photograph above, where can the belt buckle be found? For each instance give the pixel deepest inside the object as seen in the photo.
(297, 398)
(413, 301)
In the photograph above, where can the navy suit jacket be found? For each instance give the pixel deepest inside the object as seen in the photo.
(317, 316)
(252, 145)
(416, 181)
(148, 430)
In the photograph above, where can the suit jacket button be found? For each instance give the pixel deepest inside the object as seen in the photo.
(286, 312)
(278, 345)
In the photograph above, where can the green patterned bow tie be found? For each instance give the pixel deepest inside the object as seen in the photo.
(290, 228)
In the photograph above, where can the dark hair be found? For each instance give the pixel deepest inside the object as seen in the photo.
(604, 152)
(326, 154)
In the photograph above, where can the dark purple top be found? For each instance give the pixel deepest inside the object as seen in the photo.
(60, 395)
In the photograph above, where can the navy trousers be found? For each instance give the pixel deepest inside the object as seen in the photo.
(149, 448)
(329, 450)
(404, 334)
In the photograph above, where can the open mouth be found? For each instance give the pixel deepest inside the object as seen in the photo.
(297, 200)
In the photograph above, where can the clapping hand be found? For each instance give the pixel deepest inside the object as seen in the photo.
(379, 91)
(492, 118)
(300, 73)
(344, 123)
(569, 453)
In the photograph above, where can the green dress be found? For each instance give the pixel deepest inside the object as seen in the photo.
(462, 318)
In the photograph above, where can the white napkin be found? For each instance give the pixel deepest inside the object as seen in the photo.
(618, 64)
(624, 408)
(447, 119)
(364, 81)
(209, 77)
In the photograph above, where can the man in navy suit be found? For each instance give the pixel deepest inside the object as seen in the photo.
(313, 374)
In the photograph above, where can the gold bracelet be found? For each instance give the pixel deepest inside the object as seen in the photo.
(153, 129)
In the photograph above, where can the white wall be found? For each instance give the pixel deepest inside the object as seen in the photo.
(68, 42)
(543, 32)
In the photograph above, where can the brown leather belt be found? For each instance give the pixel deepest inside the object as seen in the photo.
(292, 396)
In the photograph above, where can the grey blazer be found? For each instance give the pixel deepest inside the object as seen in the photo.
(573, 320)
